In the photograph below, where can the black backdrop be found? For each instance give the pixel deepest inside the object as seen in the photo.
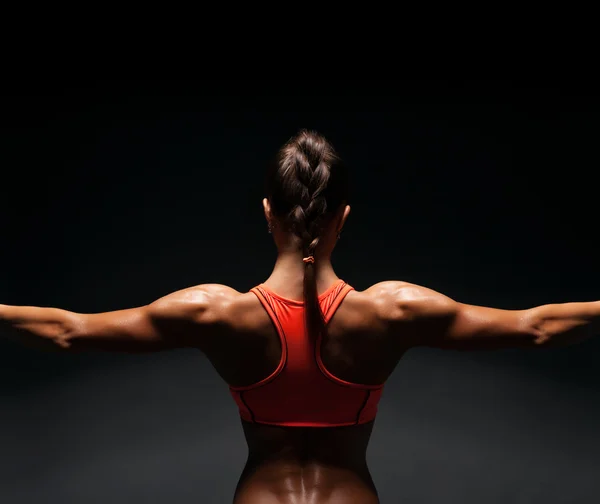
(115, 193)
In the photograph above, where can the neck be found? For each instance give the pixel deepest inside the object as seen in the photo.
(287, 277)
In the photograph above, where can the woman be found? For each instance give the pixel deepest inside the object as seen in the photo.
(305, 355)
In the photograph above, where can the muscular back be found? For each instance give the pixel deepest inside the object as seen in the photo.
(358, 348)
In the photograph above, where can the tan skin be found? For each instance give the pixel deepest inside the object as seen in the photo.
(367, 337)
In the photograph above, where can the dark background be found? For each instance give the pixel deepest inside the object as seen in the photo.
(114, 193)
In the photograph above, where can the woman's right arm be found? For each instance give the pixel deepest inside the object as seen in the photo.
(424, 317)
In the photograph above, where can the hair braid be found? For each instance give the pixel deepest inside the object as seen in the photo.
(312, 172)
(305, 186)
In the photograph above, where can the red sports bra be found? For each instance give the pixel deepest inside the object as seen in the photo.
(301, 392)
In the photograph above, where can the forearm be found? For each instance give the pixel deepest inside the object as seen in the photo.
(41, 327)
(565, 323)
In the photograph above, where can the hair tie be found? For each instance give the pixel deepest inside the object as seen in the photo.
(309, 259)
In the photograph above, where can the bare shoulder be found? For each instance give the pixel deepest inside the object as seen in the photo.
(399, 301)
(200, 303)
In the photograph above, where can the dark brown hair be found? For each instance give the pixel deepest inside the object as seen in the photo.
(305, 186)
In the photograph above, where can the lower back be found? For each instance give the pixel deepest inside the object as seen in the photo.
(286, 481)
(312, 465)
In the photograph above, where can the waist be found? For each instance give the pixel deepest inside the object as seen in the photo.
(306, 464)
(286, 480)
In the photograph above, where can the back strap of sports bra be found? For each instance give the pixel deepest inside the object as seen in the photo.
(331, 303)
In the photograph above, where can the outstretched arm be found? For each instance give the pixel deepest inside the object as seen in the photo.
(183, 318)
(427, 318)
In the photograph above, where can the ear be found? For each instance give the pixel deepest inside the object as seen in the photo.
(267, 210)
(345, 212)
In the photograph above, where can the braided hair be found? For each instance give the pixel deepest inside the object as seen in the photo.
(305, 186)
